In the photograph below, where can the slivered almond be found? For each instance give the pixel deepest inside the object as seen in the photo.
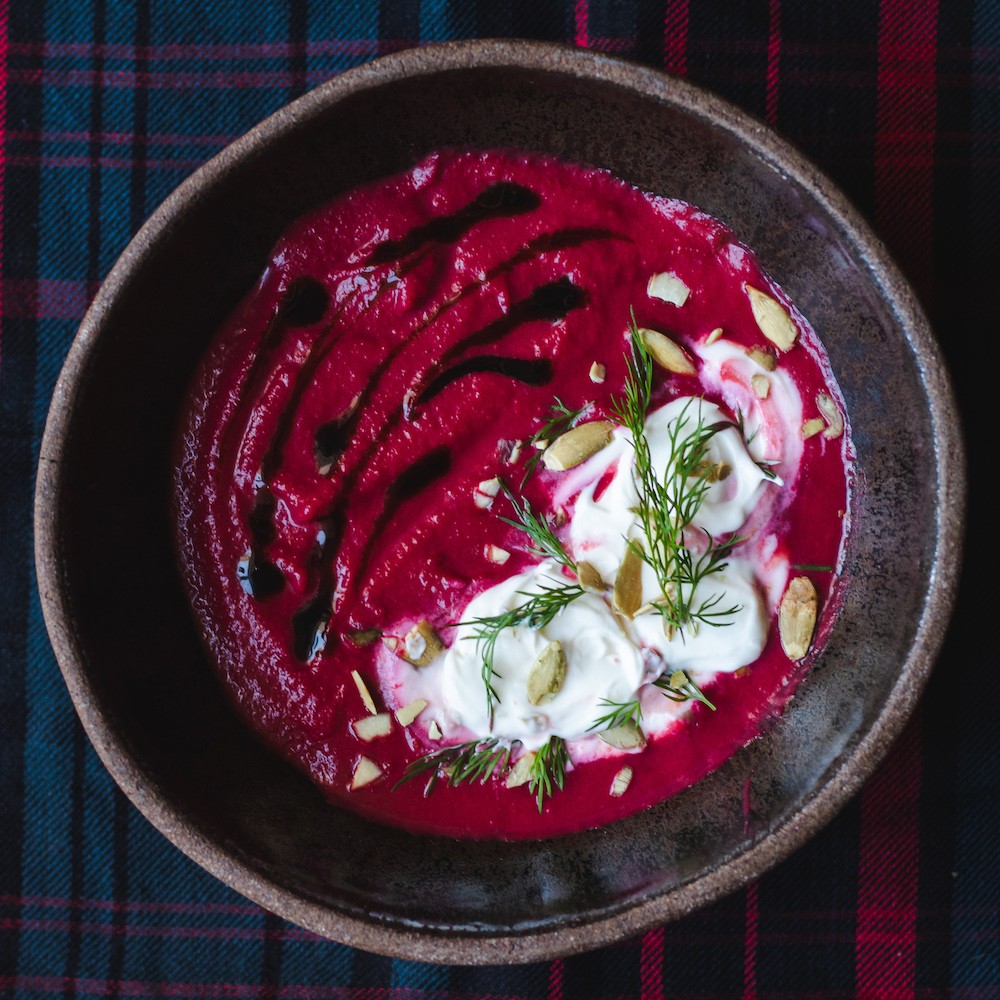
(621, 782)
(371, 727)
(589, 577)
(761, 385)
(422, 644)
(666, 353)
(667, 287)
(627, 736)
(598, 372)
(497, 555)
(765, 359)
(434, 730)
(406, 714)
(365, 772)
(772, 318)
(812, 427)
(520, 773)
(797, 617)
(547, 674)
(831, 415)
(627, 595)
(366, 697)
(577, 445)
(714, 335)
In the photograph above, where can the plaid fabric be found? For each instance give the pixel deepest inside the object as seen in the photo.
(105, 105)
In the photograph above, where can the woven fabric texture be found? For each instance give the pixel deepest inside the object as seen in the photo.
(106, 105)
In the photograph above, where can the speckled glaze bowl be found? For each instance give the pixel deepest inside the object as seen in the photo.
(126, 641)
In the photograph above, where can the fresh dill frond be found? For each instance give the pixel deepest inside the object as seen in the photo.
(536, 612)
(619, 713)
(666, 507)
(476, 760)
(678, 686)
(548, 769)
(544, 542)
(561, 419)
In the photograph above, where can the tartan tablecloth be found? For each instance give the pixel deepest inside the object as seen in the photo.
(106, 105)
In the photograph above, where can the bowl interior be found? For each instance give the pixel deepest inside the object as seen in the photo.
(125, 637)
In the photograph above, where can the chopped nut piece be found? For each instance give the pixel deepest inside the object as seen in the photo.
(365, 772)
(422, 644)
(621, 782)
(497, 555)
(772, 318)
(711, 473)
(390, 642)
(547, 674)
(577, 445)
(668, 287)
(831, 414)
(797, 617)
(627, 736)
(761, 385)
(763, 358)
(627, 596)
(666, 353)
(515, 452)
(364, 692)
(434, 730)
(714, 335)
(589, 577)
(811, 427)
(520, 773)
(406, 714)
(598, 372)
(371, 727)
(484, 494)
(364, 637)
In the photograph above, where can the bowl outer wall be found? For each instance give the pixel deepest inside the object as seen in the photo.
(191, 768)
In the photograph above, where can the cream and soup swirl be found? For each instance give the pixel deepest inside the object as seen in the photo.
(363, 429)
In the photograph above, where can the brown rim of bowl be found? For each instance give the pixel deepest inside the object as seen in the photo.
(435, 945)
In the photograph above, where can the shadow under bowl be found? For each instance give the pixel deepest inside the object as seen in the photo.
(124, 635)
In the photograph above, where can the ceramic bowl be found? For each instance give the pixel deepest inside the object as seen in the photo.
(126, 641)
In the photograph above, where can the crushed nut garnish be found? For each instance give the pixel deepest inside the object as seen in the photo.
(547, 674)
(627, 736)
(497, 555)
(589, 577)
(668, 288)
(812, 427)
(627, 594)
(365, 772)
(797, 617)
(520, 773)
(761, 385)
(406, 714)
(366, 697)
(831, 414)
(666, 353)
(772, 318)
(577, 445)
(598, 372)
(434, 730)
(765, 359)
(371, 727)
(363, 637)
(422, 644)
(621, 781)
(714, 335)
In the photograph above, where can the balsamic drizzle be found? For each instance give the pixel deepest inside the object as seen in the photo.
(306, 302)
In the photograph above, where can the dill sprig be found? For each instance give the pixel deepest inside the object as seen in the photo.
(548, 769)
(678, 686)
(544, 542)
(561, 419)
(620, 713)
(476, 760)
(667, 507)
(536, 612)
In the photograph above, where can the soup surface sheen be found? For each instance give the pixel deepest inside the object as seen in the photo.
(367, 424)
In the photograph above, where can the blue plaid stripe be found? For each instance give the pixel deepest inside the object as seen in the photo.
(109, 105)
